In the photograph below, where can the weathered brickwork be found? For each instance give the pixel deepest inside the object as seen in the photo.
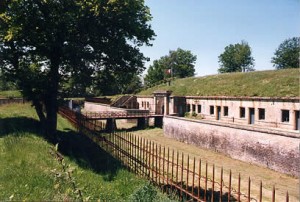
(277, 152)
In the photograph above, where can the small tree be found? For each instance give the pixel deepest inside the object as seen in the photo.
(236, 58)
(287, 54)
(179, 63)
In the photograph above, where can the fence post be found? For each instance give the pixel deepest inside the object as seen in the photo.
(229, 187)
(205, 190)
(213, 184)
(221, 185)
(273, 194)
(260, 192)
(249, 189)
(156, 166)
(159, 154)
(199, 178)
(172, 172)
(164, 159)
(193, 180)
(181, 179)
(187, 172)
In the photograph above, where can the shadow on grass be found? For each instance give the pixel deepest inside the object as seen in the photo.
(19, 124)
(80, 149)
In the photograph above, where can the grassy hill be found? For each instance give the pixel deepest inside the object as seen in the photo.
(30, 171)
(275, 83)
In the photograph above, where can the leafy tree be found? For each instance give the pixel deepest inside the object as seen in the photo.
(287, 54)
(180, 62)
(5, 84)
(236, 58)
(44, 44)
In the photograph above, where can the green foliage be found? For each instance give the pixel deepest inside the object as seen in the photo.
(187, 114)
(45, 45)
(10, 94)
(146, 193)
(194, 114)
(236, 58)
(279, 83)
(287, 54)
(181, 63)
(5, 84)
(116, 83)
(30, 171)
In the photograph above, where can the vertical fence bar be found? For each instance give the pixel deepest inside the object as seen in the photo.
(156, 163)
(134, 155)
(205, 190)
(172, 172)
(187, 173)
(287, 196)
(239, 187)
(181, 178)
(213, 184)
(130, 152)
(260, 192)
(273, 194)
(138, 155)
(168, 158)
(159, 167)
(199, 178)
(229, 187)
(193, 179)
(164, 154)
(249, 188)
(152, 168)
(221, 185)
(144, 157)
(177, 162)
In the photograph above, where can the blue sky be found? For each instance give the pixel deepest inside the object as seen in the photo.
(206, 27)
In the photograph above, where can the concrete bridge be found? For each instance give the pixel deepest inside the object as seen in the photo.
(142, 117)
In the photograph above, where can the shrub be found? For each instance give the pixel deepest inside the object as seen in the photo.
(194, 114)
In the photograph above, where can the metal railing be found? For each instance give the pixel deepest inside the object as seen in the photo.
(173, 171)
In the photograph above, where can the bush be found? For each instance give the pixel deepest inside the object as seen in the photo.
(146, 193)
(194, 114)
(187, 114)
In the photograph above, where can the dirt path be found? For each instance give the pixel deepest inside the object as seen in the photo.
(282, 182)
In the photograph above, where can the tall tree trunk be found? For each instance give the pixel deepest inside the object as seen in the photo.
(51, 103)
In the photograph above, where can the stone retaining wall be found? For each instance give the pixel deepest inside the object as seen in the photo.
(279, 152)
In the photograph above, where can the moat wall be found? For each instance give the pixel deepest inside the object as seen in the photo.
(279, 152)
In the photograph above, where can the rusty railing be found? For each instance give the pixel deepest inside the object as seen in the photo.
(173, 171)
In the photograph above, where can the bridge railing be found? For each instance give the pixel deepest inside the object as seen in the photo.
(118, 114)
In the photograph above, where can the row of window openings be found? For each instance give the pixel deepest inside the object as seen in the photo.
(145, 104)
(285, 114)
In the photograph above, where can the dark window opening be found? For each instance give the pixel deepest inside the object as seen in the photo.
(211, 109)
(188, 107)
(285, 115)
(242, 112)
(261, 114)
(199, 108)
(225, 111)
(194, 108)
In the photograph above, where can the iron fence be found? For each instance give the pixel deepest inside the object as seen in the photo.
(173, 171)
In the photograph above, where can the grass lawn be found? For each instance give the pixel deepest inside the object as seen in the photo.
(274, 83)
(269, 178)
(10, 94)
(30, 171)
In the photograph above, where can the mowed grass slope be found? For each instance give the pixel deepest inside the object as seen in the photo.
(29, 170)
(274, 83)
